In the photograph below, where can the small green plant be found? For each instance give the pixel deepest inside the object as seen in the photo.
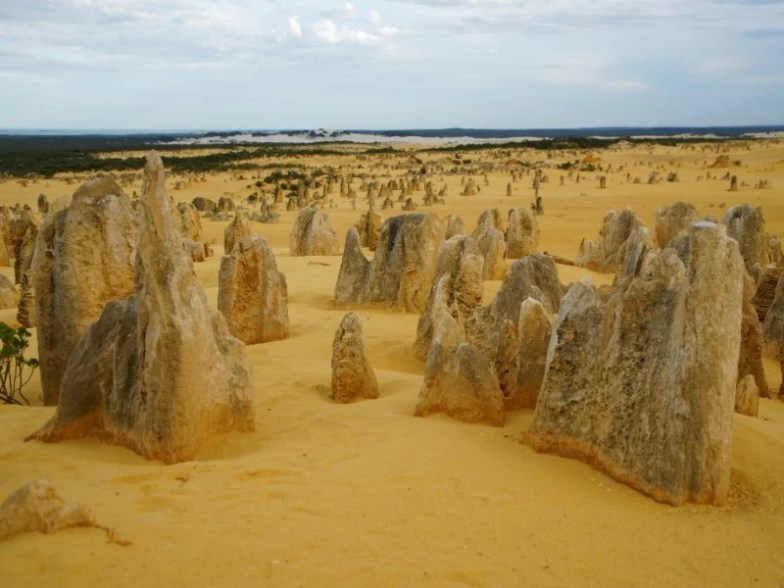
(13, 364)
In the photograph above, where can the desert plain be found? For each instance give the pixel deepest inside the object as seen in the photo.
(365, 494)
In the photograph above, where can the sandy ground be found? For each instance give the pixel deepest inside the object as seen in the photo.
(366, 494)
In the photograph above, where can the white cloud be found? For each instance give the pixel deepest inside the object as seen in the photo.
(295, 28)
(720, 65)
(328, 32)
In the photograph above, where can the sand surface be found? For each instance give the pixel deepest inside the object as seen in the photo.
(368, 495)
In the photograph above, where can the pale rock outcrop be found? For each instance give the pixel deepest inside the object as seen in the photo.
(751, 341)
(401, 272)
(522, 234)
(673, 328)
(59, 203)
(190, 222)
(25, 312)
(535, 326)
(354, 272)
(470, 188)
(24, 232)
(226, 204)
(491, 244)
(747, 226)
(459, 380)
(455, 225)
(9, 295)
(84, 257)
(369, 227)
(460, 260)
(747, 396)
(192, 232)
(6, 229)
(766, 291)
(492, 216)
(534, 276)
(775, 253)
(606, 253)
(158, 372)
(237, 229)
(5, 242)
(312, 234)
(43, 204)
(505, 360)
(203, 204)
(773, 327)
(37, 507)
(352, 375)
(252, 293)
(671, 220)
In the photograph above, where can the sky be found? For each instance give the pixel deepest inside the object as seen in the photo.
(389, 64)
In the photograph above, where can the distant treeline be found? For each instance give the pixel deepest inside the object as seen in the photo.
(44, 156)
(26, 156)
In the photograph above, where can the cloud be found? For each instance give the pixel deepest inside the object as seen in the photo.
(326, 31)
(461, 60)
(294, 29)
(721, 65)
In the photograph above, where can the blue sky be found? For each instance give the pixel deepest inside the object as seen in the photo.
(267, 64)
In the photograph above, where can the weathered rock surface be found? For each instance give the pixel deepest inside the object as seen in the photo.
(751, 342)
(252, 293)
(522, 233)
(158, 372)
(84, 257)
(455, 225)
(460, 260)
(773, 326)
(747, 397)
(459, 380)
(226, 204)
(5, 254)
(671, 220)
(9, 295)
(25, 312)
(606, 253)
(190, 222)
(533, 338)
(24, 232)
(643, 386)
(203, 204)
(534, 276)
(37, 507)
(766, 291)
(401, 272)
(352, 375)
(490, 241)
(369, 227)
(312, 234)
(237, 229)
(747, 226)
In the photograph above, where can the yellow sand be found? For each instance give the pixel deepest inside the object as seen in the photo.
(366, 494)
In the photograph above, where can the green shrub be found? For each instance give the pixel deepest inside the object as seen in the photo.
(13, 364)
